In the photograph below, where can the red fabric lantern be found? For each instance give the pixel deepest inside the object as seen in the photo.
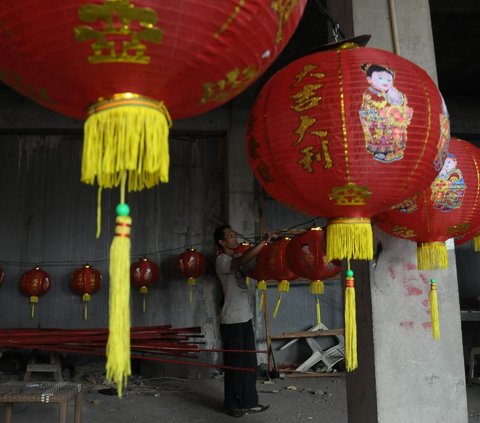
(34, 284)
(191, 264)
(278, 269)
(143, 274)
(86, 281)
(306, 257)
(449, 208)
(333, 132)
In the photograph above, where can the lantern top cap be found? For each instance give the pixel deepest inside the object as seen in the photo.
(86, 266)
(316, 228)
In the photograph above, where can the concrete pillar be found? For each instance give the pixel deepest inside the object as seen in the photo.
(403, 375)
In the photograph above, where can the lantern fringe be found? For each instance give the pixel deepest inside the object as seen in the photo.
(434, 310)
(432, 256)
(192, 282)
(33, 301)
(283, 286)
(476, 242)
(86, 299)
(317, 287)
(262, 287)
(144, 292)
(350, 238)
(126, 133)
(118, 346)
(351, 360)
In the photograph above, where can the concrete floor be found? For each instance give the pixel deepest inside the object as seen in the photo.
(172, 400)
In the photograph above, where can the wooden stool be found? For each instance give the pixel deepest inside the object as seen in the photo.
(52, 367)
(42, 392)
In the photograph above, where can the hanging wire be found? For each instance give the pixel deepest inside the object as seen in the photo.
(335, 25)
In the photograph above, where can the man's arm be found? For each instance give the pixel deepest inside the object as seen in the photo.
(251, 253)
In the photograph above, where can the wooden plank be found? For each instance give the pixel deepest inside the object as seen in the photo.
(309, 334)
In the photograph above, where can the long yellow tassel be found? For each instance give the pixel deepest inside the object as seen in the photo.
(144, 292)
(317, 288)
(86, 299)
(283, 286)
(118, 345)
(434, 310)
(432, 256)
(127, 132)
(350, 238)
(476, 243)
(262, 287)
(192, 282)
(351, 360)
(33, 301)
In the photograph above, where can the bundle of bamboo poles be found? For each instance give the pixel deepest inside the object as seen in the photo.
(155, 343)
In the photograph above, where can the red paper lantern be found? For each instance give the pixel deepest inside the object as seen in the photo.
(331, 133)
(278, 269)
(191, 264)
(449, 208)
(85, 282)
(306, 257)
(34, 284)
(143, 274)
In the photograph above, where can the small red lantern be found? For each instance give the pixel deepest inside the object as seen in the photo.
(2, 276)
(84, 282)
(191, 263)
(143, 274)
(34, 284)
(278, 269)
(306, 257)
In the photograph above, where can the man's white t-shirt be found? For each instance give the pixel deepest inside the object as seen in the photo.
(236, 306)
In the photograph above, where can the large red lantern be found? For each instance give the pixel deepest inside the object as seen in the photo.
(306, 257)
(143, 274)
(449, 208)
(85, 282)
(127, 66)
(277, 268)
(261, 272)
(331, 133)
(191, 264)
(34, 284)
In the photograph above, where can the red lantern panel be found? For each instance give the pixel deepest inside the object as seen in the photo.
(144, 273)
(191, 55)
(277, 265)
(191, 263)
(306, 256)
(449, 208)
(35, 283)
(333, 132)
(86, 280)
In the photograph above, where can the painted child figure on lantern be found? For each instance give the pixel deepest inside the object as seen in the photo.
(236, 328)
(448, 188)
(384, 115)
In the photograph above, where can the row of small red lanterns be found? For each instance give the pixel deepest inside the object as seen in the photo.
(87, 280)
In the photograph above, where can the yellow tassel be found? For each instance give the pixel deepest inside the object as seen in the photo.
(319, 320)
(144, 292)
(118, 345)
(262, 287)
(434, 310)
(432, 256)
(350, 238)
(317, 287)
(476, 242)
(33, 301)
(126, 133)
(191, 283)
(86, 298)
(283, 286)
(351, 360)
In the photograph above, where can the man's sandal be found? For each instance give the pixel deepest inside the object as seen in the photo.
(258, 408)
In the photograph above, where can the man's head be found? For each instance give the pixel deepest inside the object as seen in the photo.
(225, 238)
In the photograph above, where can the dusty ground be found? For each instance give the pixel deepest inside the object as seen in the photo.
(175, 400)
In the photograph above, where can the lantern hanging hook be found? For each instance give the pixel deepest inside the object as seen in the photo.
(335, 25)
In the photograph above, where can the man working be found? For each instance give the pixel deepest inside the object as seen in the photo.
(236, 326)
